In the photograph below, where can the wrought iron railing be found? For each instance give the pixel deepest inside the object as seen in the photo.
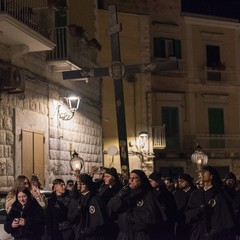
(220, 75)
(215, 145)
(158, 137)
(36, 14)
(223, 145)
(71, 47)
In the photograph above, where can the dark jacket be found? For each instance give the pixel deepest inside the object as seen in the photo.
(33, 214)
(89, 216)
(137, 212)
(167, 201)
(106, 192)
(57, 224)
(183, 230)
(211, 215)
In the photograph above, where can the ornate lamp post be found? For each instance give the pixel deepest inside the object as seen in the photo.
(199, 158)
(76, 163)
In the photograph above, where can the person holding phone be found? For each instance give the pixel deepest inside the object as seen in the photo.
(25, 220)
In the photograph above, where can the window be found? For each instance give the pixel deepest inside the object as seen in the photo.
(216, 127)
(214, 64)
(170, 117)
(165, 48)
(213, 56)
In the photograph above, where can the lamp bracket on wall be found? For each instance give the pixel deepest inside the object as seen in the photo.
(141, 145)
(67, 108)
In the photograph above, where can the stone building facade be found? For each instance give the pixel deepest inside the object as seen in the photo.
(33, 139)
(198, 103)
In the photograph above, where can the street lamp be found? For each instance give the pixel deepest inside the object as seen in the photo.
(76, 163)
(67, 110)
(199, 158)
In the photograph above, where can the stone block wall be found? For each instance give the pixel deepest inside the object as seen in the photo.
(83, 131)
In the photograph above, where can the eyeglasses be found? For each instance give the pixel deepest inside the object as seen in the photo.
(62, 184)
(25, 183)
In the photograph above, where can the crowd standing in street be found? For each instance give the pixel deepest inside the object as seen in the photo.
(144, 208)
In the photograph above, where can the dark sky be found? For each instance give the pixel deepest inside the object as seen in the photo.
(220, 8)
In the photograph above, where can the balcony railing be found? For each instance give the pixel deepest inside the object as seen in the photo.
(34, 13)
(71, 48)
(215, 145)
(158, 137)
(215, 75)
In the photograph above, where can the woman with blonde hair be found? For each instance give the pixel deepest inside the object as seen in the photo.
(22, 181)
(25, 220)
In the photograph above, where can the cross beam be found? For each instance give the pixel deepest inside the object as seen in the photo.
(117, 71)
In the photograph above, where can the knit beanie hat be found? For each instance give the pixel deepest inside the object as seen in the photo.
(230, 175)
(87, 179)
(155, 176)
(113, 172)
(186, 177)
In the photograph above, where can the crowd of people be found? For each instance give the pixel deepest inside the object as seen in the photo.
(144, 208)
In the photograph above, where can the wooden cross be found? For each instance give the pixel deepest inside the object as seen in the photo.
(117, 71)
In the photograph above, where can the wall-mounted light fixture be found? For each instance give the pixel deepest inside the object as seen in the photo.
(141, 145)
(141, 141)
(66, 110)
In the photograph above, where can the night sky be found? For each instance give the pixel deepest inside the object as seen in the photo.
(219, 8)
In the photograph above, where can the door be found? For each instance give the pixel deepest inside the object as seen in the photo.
(33, 154)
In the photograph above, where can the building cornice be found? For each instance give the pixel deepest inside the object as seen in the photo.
(211, 22)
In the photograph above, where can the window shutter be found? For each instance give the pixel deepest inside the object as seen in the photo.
(159, 47)
(177, 49)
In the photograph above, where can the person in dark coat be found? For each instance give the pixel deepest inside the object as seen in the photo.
(111, 184)
(108, 190)
(229, 185)
(57, 224)
(236, 209)
(209, 211)
(165, 197)
(137, 208)
(87, 211)
(185, 188)
(25, 220)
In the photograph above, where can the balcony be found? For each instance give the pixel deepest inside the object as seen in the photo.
(72, 51)
(171, 66)
(215, 145)
(216, 75)
(219, 146)
(158, 137)
(24, 25)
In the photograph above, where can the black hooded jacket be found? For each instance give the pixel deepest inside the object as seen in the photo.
(33, 214)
